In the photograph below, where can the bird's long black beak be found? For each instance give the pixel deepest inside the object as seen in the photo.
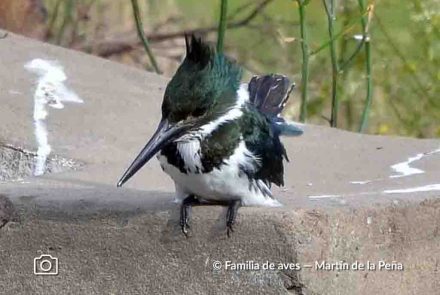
(164, 134)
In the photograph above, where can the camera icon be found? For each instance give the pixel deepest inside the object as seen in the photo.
(46, 264)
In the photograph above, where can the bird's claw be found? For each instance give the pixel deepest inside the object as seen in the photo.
(231, 214)
(229, 229)
(185, 227)
(185, 214)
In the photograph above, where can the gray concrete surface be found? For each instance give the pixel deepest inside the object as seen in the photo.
(127, 241)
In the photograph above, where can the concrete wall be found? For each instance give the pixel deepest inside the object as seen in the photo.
(127, 241)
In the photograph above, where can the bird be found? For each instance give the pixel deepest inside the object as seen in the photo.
(219, 139)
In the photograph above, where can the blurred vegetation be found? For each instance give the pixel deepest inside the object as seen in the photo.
(398, 41)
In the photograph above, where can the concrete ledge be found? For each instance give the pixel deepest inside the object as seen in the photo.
(110, 248)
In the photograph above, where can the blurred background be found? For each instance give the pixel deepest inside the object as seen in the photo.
(265, 36)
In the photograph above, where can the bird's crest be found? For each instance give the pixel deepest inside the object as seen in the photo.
(198, 52)
(201, 56)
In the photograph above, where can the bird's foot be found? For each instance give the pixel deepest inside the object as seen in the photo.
(185, 227)
(185, 213)
(229, 229)
(231, 215)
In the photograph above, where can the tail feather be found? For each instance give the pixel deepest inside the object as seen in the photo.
(287, 128)
(269, 94)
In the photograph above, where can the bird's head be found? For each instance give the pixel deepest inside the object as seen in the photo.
(203, 88)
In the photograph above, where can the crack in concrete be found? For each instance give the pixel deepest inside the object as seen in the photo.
(17, 163)
(291, 279)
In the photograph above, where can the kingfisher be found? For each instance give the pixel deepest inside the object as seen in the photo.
(219, 139)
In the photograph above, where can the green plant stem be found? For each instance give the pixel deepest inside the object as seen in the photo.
(330, 11)
(53, 17)
(367, 106)
(343, 48)
(327, 43)
(347, 28)
(353, 55)
(358, 48)
(67, 19)
(368, 100)
(222, 25)
(305, 60)
(141, 34)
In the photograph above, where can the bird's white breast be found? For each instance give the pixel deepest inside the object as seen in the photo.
(225, 183)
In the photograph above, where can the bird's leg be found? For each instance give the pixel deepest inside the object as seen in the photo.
(191, 200)
(185, 212)
(231, 214)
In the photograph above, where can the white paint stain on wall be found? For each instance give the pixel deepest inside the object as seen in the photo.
(361, 181)
(425, 188)
(52, 92)
(317, 197)
(404, 169)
